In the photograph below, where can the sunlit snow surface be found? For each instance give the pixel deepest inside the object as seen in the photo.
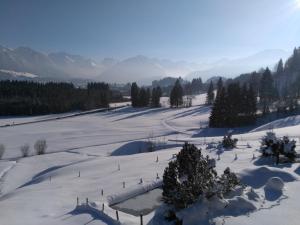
(107, 149)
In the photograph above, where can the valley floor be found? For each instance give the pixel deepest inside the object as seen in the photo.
(108, 148)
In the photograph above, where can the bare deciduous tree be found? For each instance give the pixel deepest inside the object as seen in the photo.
(25, 150)
(40, 146)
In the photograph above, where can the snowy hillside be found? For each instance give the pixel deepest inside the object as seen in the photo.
(107, 151)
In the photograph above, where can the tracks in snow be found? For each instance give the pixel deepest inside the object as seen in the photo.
(4, 173)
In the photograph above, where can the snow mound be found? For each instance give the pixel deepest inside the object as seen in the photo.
(137, 147)
(205, 210)
(95, 212)
(257, 178)
(280, 123)
(275, 184)
(239, 205)
(252, 195)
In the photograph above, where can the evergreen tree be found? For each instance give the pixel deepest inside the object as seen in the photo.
(251, 100)
(210, 97)
(193, 175)
(293, 63)
(176, 96)
(219, 85)
(135, 91)
(143, 98)
(219, 110)
(267, 91)
(196, 86)
(233, 107)
(279, 68)
(156, 95)
(188, 177)
(244, 107)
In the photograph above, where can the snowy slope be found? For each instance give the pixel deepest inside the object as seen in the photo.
(43, 189)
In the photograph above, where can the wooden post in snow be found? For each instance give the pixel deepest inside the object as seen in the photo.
(77, 201)
(102, 192)
(102, 207)
(117, 215)
(123, 184)
(79, 173)
(141, 216)
(87, 201)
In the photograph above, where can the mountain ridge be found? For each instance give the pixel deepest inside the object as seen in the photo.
(139, 68)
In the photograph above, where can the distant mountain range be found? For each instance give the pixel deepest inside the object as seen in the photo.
(235, 67)
(26, 63)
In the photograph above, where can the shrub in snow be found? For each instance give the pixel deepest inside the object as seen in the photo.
(228, 142)
(288, 148)
(273, 146)
(25, 150)
(2, 150)
(267, 143)
(227, 181)
(192, 175)
(40, 146)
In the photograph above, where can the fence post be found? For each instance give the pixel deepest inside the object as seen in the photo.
(117, 215)
(102, 192)
(103, 207)
(123, 184)
(156, 158)
(79, 173)
(141, 216)
(77, 201)
(87, 201)
(157, 177)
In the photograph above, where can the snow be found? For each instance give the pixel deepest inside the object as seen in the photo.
(43, 189)
(275, 184)
(280, 123)
(17, 74)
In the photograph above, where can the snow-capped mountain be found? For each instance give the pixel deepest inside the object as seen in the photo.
(141, 69)
(54, 65)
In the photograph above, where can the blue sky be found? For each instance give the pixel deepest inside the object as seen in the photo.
(190, 30)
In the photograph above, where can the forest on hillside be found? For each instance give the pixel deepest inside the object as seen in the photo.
(33, 98)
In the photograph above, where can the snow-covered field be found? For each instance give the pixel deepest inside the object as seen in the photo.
(101, 147)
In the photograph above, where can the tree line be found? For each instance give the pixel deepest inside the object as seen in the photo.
(234, 106)
(33, 98)
(276, 91)
(143, 97)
